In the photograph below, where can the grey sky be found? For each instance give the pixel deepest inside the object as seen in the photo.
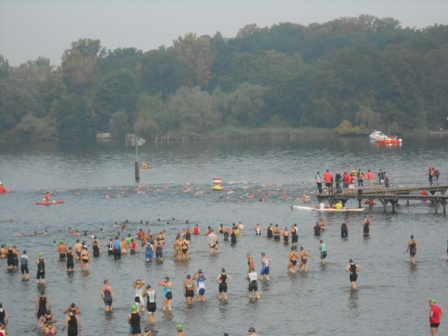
(33, 28)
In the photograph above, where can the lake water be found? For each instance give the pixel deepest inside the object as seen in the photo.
(98, 187)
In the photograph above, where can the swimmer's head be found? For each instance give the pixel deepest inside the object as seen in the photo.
(106, 281)
(167, 279)
(40, 254)
(223, 270)
(351, 260)
(433, 301)
(180, 327)
(263, 254)
(148, 286)
(61, 242)
(301, 248)
(24, 251)
(412, 236)
(200, 271)
(133, 307)
(252, 329)
(9, 245)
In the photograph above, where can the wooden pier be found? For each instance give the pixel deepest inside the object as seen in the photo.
(435, 194)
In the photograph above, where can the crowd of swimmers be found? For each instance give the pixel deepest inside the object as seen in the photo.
(193, 286)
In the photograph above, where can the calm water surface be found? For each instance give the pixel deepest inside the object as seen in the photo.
(391, 298)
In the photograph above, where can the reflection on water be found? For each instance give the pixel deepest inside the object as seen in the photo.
(98, 188)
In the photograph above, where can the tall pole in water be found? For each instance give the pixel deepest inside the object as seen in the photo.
(137, 166)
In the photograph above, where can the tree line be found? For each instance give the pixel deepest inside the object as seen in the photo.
(351, 74)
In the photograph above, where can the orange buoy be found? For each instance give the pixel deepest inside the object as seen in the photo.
(217, 184)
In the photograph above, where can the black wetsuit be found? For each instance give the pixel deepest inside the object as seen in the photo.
(270, 234)
(317, 230)
(96, 250)
(223, 283)
(72, 329)
(42, 307)
(353, 275)
(70, 261)
(233, 238)
(135, 324)
(344, 230)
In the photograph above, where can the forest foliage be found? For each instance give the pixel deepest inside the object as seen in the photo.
(350, 74)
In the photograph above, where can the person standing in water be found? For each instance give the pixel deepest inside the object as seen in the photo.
(353, 269)
(70, 260)
(253, 284)
(134, 322)
(323, 251)
(304, 259)
(212, 240)
(200, 278)
(151, 305)
(435, 313)
(42, 305)
(24, 266)
(294, 236)
(189, 290)
(138, 296)
(167, 294)
(73, 322)
(412, 248)
(265, 267)
(85, 258)
(40, 263)
(107, 295)
(366, 227)
(344, 230)
(223, 279)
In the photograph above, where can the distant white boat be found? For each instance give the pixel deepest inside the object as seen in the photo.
(312, 208)
(377, 135)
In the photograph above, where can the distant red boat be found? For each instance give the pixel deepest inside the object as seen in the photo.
(389, 141)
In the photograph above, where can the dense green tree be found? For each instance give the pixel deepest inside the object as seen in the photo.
(118, 124)
(162, 72)
(197, 54)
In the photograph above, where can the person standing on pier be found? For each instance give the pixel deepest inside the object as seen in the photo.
(338, 179)
(318, 179)
(369, 177)
(380, 178)
(430, 175)
(412, 248)
(328, 177)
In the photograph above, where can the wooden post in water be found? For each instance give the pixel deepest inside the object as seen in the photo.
(137, 172)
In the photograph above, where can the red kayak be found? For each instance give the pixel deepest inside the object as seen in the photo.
(50, 203)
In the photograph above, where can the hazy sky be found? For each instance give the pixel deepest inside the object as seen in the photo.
(33, 28)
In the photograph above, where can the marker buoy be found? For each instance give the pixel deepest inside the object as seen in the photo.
(217, 184)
